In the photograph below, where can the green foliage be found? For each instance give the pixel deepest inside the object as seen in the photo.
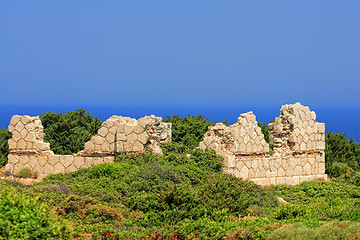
(339, 149)
(331, 230)
(189, 130)
(67, 133)
(26, 173)
(5, 135)
(22, 217)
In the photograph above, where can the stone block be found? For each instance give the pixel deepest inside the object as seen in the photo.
(244, 172)
(88, 161)
(16, 136)
(14, 120)
(54, 159)
(12, 144)
(127, 147)
(23, 133)
(280, 181)
(138, 129)
(89, 146)
(97, 140)
(261, 181)
(307, 169)
(98, 160)
(66, 160)
(71, 168)
(272, 181)
(9, 168)
(298, 170)
(289, 171)
(132, 138)
(78, 161)
(235, 172)
(97, 147)
(281, 172)
(59, 168)
(13, 159)
(33, 161)
(106, 147)
(103, 131)
(251, 173)
(321, 127)
(19, 127)
(120, 128)
(113, 130)
(48, 169)
(138, 147)
(128, 129)
(230, 161)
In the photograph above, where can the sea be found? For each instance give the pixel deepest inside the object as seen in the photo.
(343, 119)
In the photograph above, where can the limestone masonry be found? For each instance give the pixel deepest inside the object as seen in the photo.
(298, 146)
(117, 134)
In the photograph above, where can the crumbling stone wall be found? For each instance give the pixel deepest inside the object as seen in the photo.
(298, 147)
(117, 134)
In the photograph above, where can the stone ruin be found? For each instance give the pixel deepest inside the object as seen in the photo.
(298, 147)
(297, 140)
(117, 134)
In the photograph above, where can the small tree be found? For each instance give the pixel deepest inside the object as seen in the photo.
(67, 133)
(5, 135)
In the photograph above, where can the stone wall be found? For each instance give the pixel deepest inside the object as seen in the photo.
(298, 147)
(117, 134)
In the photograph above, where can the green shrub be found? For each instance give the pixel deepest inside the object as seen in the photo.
(5, 135)
(339, 149)
(332, 230)
(26, 173)
(189, 130)
(339, 168)
(22, 217)
(67, 133)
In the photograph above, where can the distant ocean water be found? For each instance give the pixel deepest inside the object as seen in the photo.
(337, 119)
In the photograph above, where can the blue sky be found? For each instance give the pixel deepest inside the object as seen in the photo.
(180, 52)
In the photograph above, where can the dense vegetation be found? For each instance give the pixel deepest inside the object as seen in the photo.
(4, 147)
(67, 133)
(188, 131)
(183, 194)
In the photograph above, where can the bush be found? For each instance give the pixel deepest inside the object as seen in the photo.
(331, 230)
(67, 133)
(5, 135)
(22, 217)
(26, 173)
(339, 149)
(190, 130)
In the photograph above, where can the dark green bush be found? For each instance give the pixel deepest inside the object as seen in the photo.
(189, 130)
(67, 133)
(339, 149)
(5, 135)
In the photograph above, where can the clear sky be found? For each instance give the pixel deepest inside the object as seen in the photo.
(180, 52)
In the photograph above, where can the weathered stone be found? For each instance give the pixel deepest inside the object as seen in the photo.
(132, 138)
(103, 131)
(78, 161)
(89, 146)
(66, 160)
(128, 129)
(71, 168)
(59, 168)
